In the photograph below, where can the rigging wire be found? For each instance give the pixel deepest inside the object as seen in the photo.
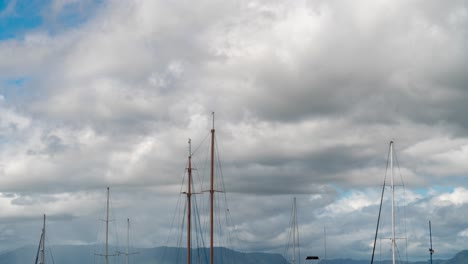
(50, 249)
(227, 214)
(404, 206)
(286, 247)
(201, 221)
(197, 226)
(380, 208)
(179, 241)
(176, 210)
(115, 234)
(199, 234)
(201, 144)
(293, 230)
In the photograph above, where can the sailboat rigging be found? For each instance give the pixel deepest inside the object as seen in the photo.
(107, 255)
(192, 232)
(127, 252)
(212, 190)
(293, 236)
(392, 187)
(189, 204)
(40, 256)
(431, 251)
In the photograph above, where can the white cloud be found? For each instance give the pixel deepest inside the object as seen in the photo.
(307, 96)
(353, 202)
(458, 197)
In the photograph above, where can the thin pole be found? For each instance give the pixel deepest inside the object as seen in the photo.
(128, 239)
(294, 231)
(431, 251)
(107, 227)
(378, 222)
(43, 241)
(393, 202)
(211, 190)
(189, 202)
(325, 241)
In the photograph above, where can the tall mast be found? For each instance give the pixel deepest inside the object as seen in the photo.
(211, 190)
(128, 240)
(189, 202)
(43, 242)
(107, 228)
(393, 202)
(325, 242)
(431, 251)
(127, 253)
(294, 231)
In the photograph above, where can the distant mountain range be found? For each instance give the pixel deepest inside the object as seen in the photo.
(166, 255)
(159, 255)
(460, 258)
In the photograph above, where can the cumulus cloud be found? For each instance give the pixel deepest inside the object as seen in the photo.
(307, 96)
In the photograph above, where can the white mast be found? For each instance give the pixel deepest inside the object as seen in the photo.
(393, 202)
(107, 228)
(294, 231)
(325, 241)
(43, 242)
(294, 235)
(127, 253)
(128, 239)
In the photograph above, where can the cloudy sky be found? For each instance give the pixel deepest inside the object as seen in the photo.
(307, 95)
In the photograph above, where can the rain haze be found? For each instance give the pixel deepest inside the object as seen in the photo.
(307, 96)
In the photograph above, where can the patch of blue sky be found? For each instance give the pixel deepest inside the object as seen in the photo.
(434, 189)
(13, 87)
(18, 17)
(77, 13)
(16, 82)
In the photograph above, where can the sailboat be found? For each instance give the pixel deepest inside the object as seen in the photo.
(293, 236)
(392, 187)
(212, 191)
(191, 217)
(431, 250)
(127, 253)
(40, 255)
(197, 226)
(106, 255)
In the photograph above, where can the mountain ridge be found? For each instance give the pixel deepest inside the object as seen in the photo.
(78, 254)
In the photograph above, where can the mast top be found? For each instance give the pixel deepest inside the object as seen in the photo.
(213, 116)
(190, 147)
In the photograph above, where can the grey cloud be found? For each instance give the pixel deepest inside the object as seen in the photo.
(307, 96)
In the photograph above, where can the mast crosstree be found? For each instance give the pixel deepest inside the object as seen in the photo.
(390, 162)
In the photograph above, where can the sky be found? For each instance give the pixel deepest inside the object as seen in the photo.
(307, 96)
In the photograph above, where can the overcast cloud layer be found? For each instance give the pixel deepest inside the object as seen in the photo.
(307, 95)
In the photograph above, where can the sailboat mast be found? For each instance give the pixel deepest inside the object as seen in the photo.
(393, 202)
(107, 228)
(43, 241)
(128, 240)
(189, 202)
(211, 190)
(325, 242)
(431, 251)
(294, 231)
